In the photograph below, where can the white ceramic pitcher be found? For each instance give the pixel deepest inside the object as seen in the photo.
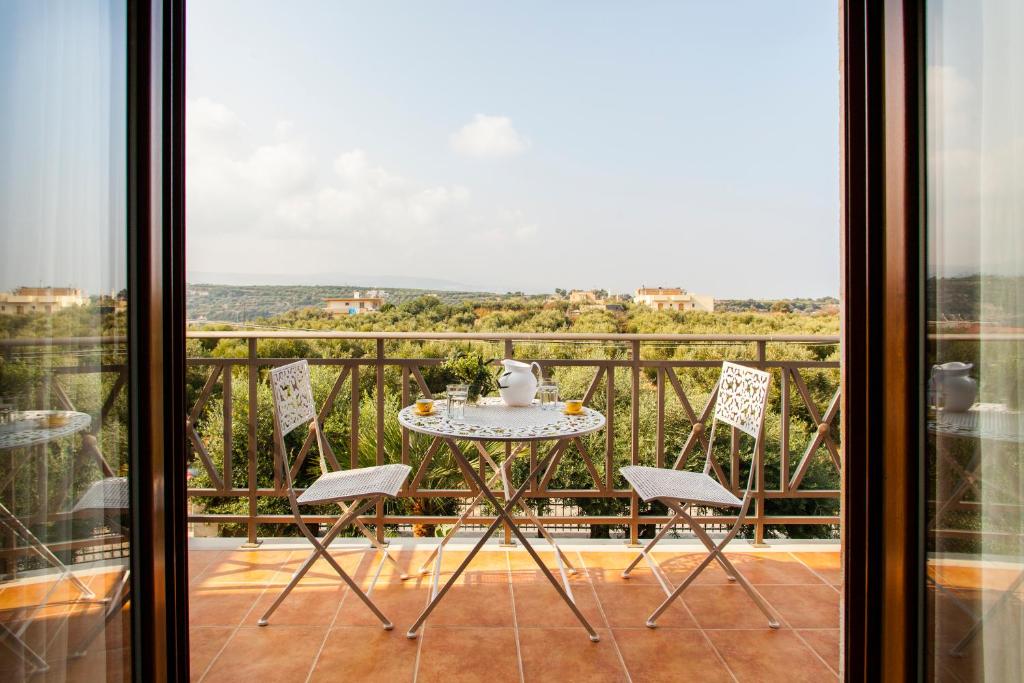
(517, 384)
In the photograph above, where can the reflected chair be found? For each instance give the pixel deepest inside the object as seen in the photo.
(354, 490)
(108, 498)
(742, 396)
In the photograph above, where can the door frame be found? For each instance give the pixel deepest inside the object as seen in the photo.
(156, 339)
(881, 136)
(882, 334)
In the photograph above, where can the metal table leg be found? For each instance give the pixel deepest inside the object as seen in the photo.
(8, 519)
(504, 516)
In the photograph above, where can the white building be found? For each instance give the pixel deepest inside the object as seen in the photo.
(26, 300)
(673, 299)
(356, 304)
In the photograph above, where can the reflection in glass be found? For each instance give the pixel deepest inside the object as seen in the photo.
(975, 288)
(64, 596)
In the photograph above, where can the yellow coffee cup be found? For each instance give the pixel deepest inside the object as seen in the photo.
(424, 406)
(574, 406)
(56, 420)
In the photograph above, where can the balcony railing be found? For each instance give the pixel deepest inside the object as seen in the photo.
(653, 389)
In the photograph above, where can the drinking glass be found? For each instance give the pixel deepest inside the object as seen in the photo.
(548, 393)
(457, 396)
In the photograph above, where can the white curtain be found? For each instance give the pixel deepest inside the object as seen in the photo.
(975, 184)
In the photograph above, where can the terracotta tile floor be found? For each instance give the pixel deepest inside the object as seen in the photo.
(504, 622)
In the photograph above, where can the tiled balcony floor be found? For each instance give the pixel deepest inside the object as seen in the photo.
(504, 622)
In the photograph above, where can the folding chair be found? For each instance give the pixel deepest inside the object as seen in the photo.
(352, 490)
(109, 498)
(742, 395)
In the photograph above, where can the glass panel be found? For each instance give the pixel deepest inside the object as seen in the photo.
(63, 307)
(975, 234)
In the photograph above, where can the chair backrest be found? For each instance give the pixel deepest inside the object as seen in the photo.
(741, 402)
(293, 396)
(742, 397)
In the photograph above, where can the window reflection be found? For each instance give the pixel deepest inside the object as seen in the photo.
(975, 189)
(64, 596)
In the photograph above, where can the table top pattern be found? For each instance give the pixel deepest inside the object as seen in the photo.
(983, 421)
(35, 435)
(492, 420)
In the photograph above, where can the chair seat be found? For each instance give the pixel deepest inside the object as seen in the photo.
(383, 480)
(106, 494)
(655, 483)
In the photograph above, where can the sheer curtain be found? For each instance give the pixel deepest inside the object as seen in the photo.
(63, 259)
(975, 233)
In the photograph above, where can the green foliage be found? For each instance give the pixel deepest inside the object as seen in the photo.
(462, 367)
(472, 363)
(18, 379)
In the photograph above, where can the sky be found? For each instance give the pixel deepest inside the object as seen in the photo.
(494, 146)
(62, 145)
(516, 146)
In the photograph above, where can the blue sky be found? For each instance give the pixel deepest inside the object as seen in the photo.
(503, 146)
(62, 144)
(521, 145)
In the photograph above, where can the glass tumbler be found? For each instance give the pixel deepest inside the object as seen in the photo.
(458, 394)
(548, 393)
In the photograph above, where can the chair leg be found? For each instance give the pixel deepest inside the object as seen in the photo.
(117, 602)
(730, 568)
(661, 534)
(320, 549)
(21, 648)
(650, 544)
(373, 542)
(715, 553)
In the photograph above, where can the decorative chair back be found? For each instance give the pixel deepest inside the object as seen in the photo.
(294, 407)
(742, 397)
(293, 396)
(741, 403)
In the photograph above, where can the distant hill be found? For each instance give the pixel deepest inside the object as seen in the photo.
(239, 303)
(229, 303)
(992, 299)
(330, 280)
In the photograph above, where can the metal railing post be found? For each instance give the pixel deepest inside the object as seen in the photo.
(380, 432)
(253, 408)
(634, 440)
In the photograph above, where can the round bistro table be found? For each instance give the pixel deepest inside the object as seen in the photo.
(491, 420)
(31, 435)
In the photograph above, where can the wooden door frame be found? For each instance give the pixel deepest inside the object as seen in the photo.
(882, 332)
(156, 340)
(882, 324)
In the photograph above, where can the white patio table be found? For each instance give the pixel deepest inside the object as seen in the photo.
(27, 439)
(491, 420)
(983, 422)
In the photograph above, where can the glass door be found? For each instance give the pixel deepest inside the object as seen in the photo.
(65, 521)
(974, 594)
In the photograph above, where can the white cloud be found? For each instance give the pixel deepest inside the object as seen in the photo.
(288, 208)
(489, 137)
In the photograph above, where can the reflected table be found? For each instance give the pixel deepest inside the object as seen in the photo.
(489, 421)
(983, 422)
(23, 437)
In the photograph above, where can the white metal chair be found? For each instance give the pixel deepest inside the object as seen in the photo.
(742, 398)
(352, 490)
(109, 498)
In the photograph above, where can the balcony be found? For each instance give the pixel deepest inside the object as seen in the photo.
(500, 622)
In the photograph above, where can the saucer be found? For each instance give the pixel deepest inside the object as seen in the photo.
(419, 414)
(578, 413)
